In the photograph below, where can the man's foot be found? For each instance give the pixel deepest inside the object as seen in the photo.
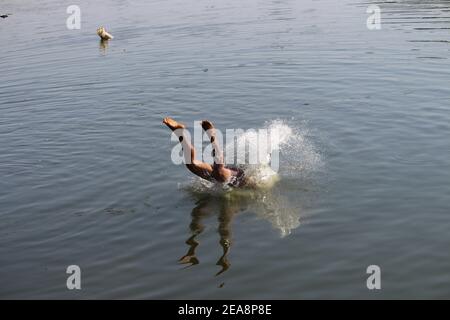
(172, 124)
(207, 125)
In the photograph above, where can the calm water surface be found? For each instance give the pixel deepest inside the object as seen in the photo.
(86, 176)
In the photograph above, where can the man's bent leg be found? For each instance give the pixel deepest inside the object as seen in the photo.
(199, 168)
(220, 172)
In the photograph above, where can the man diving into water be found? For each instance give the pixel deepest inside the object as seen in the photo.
(217, 172)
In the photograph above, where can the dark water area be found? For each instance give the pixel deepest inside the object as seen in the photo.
(86, 176)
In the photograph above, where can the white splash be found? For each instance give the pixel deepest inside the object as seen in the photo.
(298, 157)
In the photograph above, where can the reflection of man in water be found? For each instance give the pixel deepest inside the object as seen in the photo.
(203, 210)
(218, 171)
(266, 204)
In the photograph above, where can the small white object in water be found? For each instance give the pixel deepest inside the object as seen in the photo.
(102, 33)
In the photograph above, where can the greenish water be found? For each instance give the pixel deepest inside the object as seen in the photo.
(86, 176)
